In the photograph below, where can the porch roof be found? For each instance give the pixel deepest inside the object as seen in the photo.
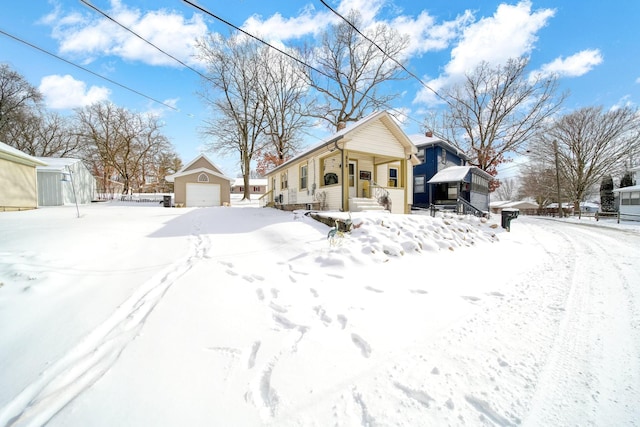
(457, 174)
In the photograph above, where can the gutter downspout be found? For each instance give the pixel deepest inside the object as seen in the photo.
(335, 143)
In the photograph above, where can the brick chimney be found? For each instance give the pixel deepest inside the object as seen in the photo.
(429, 134)
(341, 125)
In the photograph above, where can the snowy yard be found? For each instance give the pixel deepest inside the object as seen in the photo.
(244, 316)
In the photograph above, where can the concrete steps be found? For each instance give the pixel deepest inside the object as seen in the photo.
(363, 204)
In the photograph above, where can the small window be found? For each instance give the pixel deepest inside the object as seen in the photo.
(393, 177)
(420, 155)
(303, 176)
(203, 177)
(284, 183)
(418, 184)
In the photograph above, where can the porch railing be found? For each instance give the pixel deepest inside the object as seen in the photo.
(381, 194)
(465, 208)
(264, 199)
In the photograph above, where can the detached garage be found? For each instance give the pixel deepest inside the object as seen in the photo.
(18, 179)
(201, 184)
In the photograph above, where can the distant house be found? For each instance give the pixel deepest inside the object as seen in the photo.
(444, 180)
(629, 198)
(64, 179)
(18, 179)
(364, 166)
(256, 186)
(525, 207)
(201, 184)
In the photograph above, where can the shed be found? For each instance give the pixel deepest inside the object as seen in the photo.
(63, 180)
(18, 179)
(201, 184)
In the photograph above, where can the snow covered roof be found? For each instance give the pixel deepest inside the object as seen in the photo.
(56, 164)
(627, 189)
(328, 142)
(456, 174)
(421, 141)
(15, 155)
(171, 178)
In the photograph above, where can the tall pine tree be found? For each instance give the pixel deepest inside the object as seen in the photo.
(607, 199)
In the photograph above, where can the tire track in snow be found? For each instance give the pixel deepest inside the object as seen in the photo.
(592, 371)
(82, 366)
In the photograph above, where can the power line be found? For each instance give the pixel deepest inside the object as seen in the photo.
(383, 52)
(288, 55)
(87, 3)
(86, 69)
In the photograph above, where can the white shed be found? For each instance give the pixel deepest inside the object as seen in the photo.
(64, 179)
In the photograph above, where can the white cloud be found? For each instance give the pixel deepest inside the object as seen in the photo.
(87, 36)
(277, 27)
(65, 92)
(573, 66)
(509, 33)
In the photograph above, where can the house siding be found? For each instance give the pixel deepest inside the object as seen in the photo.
(18, 186)
(202, 163)
(180, 186)
(375, 138)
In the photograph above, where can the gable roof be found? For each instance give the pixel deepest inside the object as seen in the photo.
(422, 141)
(384, 116)
(214, 170)
(7, 152)
(456, 174)
(171, 178)
(201, 156)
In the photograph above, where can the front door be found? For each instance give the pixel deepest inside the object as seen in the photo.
(353, 186)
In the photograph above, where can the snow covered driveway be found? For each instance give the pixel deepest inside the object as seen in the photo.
(246, 316)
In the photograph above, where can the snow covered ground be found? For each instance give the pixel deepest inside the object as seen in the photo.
(135, 315)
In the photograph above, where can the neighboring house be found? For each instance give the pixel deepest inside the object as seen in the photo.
(201, 184)
(525, 207)
(256, 186)
(366, 165)
(64, 179)
(629, 198)
(18, 179)
(443, 178)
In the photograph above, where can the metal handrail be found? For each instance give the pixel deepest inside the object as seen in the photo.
(463, 208)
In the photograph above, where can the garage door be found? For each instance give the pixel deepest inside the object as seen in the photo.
(199, 195)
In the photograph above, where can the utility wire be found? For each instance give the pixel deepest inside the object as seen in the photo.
(311, 67)
(384, 53)
(85, 69)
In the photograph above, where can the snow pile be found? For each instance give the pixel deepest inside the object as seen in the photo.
(247, 316)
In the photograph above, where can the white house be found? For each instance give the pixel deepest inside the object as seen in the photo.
(366, 165)
(630, 199)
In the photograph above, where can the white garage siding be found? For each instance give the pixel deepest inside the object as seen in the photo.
(203, 195)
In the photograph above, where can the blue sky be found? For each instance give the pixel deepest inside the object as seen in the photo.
(590, 44)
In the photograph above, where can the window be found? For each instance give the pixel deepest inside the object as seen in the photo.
(418, 184)
(284, 184)
(630, 198)
(203, 177)
(479, 184)
(420, 155)
(393, 177)
(303, 176)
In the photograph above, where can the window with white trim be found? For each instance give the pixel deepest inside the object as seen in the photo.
(203, 177)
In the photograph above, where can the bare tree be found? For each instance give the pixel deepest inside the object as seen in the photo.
(17, 98)
(538, 181)
(232, 90)
(352, 70)
(286, 111)
(120, 144)
(508, 190)
(495, 111)
(47, 134)
(590, 143)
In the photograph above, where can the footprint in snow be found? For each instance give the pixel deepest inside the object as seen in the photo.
(419, 291)
(471, 298)
(364, 346)
(260, 294)
(231, 273)
(372, 289)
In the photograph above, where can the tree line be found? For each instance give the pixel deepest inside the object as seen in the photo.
(262, 99)
(125, 150)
